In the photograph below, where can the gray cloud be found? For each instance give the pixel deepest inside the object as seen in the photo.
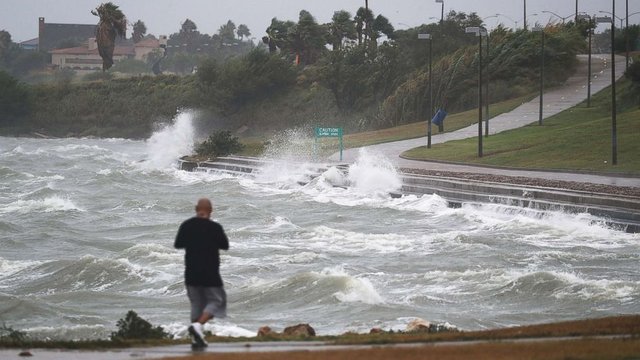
(20, 17)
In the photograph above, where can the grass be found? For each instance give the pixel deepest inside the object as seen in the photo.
(576, 139)
(618, 325)
(410, 131)
(497, 345)
(255, 146)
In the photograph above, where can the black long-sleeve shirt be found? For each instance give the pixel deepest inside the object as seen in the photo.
(202, 239)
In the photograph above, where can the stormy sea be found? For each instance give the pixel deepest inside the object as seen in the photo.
(87, 229)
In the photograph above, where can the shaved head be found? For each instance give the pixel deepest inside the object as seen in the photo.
(204, 208)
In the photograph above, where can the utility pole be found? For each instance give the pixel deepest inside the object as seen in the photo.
(486, 85)
(525, 15)
(576, 20)
(589, 75)
(541, 30)
(441, 10)
(614, 130)
(626, 37)
(480, 94)
(430, 38)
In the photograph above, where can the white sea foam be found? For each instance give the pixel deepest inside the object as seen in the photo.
(10, 267)
(172, 141)
(356, 289)
(324, 237)
(373, 173)
(49, 204)
(224, 328)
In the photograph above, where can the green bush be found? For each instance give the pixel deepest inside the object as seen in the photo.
(97, 76)
(135, 327)
(220, 143)
(243, 80)
(633, 72)
(131, 66)
(14, 98)
(10, 335)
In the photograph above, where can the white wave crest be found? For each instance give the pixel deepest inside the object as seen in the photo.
(166, 145)
(357, 289)
(373, 173)
(49, 204)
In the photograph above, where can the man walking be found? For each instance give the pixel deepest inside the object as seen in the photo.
(202, 239)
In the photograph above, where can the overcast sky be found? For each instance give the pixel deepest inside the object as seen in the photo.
(20, 17)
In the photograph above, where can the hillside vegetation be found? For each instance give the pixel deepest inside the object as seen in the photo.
(356, 72)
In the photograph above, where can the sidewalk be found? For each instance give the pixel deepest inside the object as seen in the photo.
(573, 92)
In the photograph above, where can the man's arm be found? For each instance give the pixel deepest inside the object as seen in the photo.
(181, 238)
(223, 240)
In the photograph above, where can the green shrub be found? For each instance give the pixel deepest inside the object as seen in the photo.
(131, 66)
(98, 75)
(220, 143)
(14, 98)
(10, 335)
(135, 327)
(633, 72)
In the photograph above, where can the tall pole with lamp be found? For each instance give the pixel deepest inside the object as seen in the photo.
(541, 110)
(515, 22)
(589, 74)
(525, 15)
(441, 11)
(614, 130)
(479, 32)
(626, 37)
(486, 84)
(428, 37)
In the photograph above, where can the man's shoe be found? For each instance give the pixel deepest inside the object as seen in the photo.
(196, 347)
(195, 330)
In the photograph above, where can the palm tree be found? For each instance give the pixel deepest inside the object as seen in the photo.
(243, 31)
(139, 31)
(112, 22)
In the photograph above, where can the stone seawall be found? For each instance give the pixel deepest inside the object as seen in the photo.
(621, 212)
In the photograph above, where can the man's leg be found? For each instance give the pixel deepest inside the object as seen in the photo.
(204, 317)
(198, 303)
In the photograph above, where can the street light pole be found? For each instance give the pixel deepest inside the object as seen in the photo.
(589, 69)
(479, 33)
(541, 80)
(591, 22)
(614, 130)
(441, 11)
(626, 37)
(486, 84)
(541, 110)
(525, 15)
(428, 37)
(514, 21)
(563, 18)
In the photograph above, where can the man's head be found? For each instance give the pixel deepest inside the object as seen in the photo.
(204, 208)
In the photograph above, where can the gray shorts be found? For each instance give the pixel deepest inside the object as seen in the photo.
(212, 300)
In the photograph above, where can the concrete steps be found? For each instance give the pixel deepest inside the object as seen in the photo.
(619, 212)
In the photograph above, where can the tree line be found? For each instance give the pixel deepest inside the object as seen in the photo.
(356, 71)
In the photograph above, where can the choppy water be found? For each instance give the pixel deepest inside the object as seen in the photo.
(86, 233)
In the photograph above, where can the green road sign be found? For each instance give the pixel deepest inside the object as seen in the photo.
(328, 132)
(321, 132)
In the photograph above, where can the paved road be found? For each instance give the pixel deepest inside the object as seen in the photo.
(260, 347)
(556, 100)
